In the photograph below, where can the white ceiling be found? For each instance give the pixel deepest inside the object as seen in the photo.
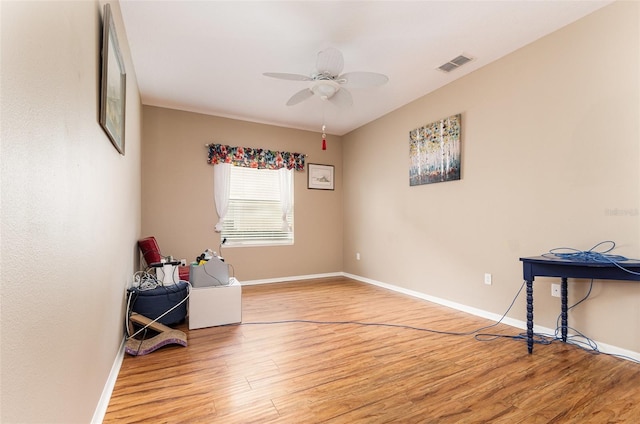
(209, 56)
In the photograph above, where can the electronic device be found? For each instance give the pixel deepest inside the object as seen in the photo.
(167, 272)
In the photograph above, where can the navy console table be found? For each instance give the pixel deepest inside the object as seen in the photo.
(543, 266)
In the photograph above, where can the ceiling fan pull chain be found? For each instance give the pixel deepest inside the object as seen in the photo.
(324, 138)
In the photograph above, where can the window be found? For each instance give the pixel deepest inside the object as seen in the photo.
(258, 201)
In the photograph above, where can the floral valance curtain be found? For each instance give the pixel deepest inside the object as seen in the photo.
(254, 158)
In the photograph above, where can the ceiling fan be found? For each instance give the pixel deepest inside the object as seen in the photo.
(327, 82)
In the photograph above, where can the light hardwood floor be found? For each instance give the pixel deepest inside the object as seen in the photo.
(347, 373)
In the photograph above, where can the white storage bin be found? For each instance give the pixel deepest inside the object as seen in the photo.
(216, 305)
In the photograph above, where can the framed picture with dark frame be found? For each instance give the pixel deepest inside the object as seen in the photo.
(113, 84)
(320, 177)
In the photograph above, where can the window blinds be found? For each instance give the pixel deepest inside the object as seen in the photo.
(255, 214)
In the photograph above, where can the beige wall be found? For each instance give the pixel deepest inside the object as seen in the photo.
(70, 213)
(178, 207)
(550, 148)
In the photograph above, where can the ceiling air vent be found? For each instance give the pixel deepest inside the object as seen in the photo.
(454, 63)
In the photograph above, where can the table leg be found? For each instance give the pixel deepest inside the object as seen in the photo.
(563, 300)
(530, 316)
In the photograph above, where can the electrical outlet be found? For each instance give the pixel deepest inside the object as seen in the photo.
(357, 256)
(555, 290)
(487, 279)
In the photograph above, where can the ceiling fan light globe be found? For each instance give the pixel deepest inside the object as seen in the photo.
(325, 90)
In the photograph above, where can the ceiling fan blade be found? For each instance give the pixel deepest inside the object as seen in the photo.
(330, 61)
(285, 76)
(363, 79)
(342, 98)
(300, 96)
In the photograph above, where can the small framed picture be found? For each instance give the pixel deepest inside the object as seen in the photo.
(113, 84)
(320, 177)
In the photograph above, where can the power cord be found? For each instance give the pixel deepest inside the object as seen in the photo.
(591, 255)
(579, 339)
(404, 326)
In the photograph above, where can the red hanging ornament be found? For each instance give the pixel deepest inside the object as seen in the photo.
(324, 139)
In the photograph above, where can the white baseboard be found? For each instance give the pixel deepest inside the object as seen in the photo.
(296, 278)
(103, 403)
(522, 325)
